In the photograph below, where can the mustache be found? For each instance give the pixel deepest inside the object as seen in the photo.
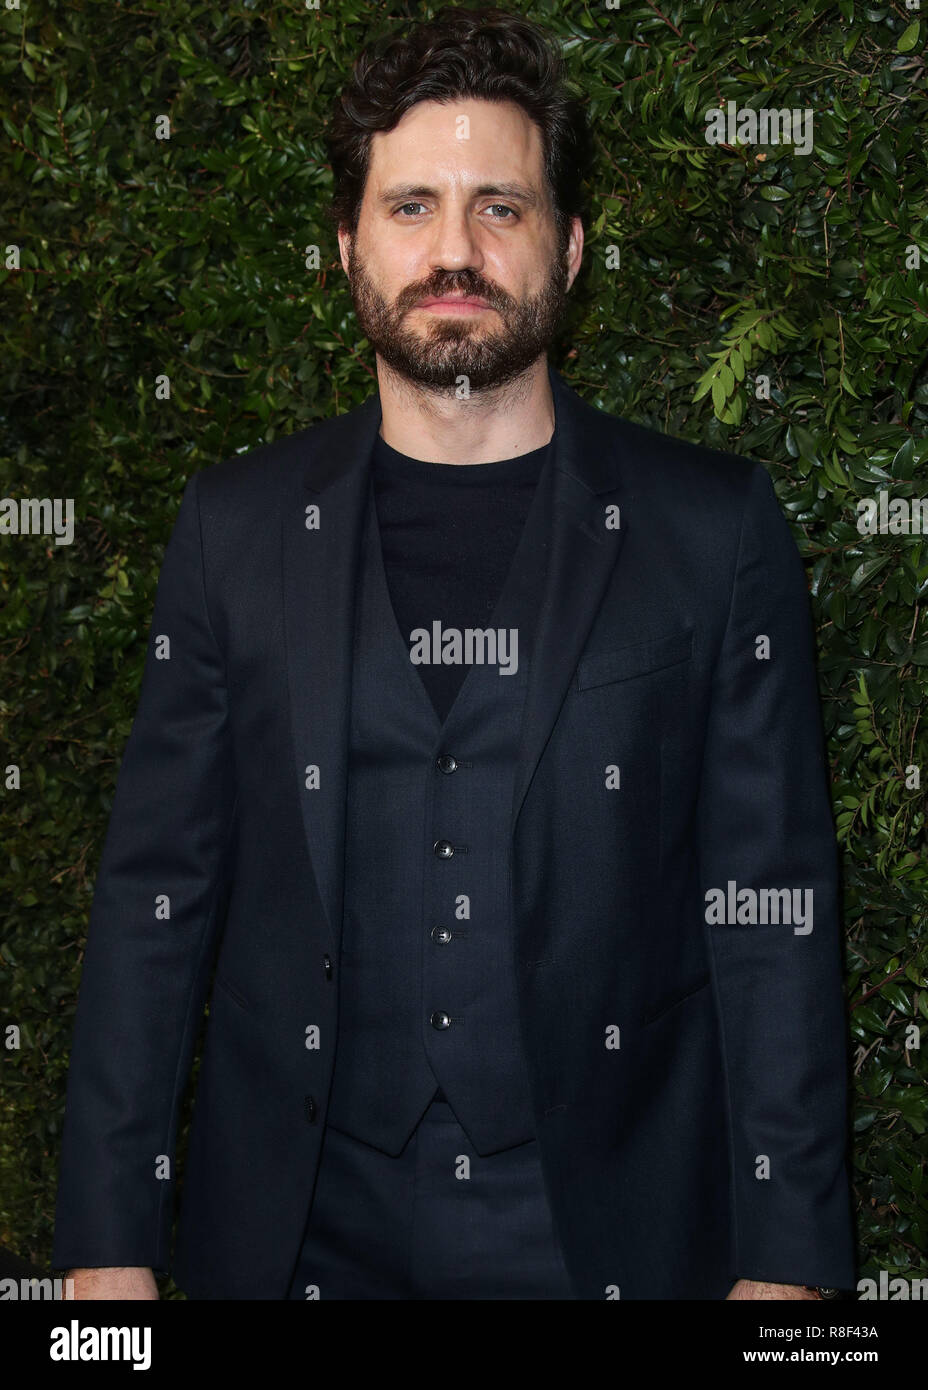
(465, 282)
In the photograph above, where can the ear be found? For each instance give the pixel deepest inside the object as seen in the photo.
(574, 251)
(344, 246)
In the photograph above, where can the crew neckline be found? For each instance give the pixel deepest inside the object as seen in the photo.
(519, 468)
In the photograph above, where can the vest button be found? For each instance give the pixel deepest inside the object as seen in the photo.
(439, 1019)
(310, 1109)
(445, 763)
(441, 934)
(443, 849)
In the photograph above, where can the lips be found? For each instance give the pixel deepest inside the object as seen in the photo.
(444, 299)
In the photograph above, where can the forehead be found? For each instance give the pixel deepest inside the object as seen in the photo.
(459, 142)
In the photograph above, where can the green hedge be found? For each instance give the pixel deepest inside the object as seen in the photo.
(188, 257)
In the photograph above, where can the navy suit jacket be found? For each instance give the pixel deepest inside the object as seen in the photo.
(684, 1030)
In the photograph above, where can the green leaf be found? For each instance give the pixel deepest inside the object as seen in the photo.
(866, 571)
(882, 155)
(909, 38)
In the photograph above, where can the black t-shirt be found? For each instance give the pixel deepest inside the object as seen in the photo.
(449, 533)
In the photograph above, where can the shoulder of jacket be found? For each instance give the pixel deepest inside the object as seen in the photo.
(642, 449)
(258, 477)
(685, 457)
(678, 475)
(260, 465)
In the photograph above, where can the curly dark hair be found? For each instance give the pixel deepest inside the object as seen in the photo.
(480, 53)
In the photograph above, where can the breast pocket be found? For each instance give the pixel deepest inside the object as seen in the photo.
(637, 659)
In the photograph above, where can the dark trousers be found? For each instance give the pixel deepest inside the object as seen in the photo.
(419, 1227)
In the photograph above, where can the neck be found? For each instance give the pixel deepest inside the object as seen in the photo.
(485, 427)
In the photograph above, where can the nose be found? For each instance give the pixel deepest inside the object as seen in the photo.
(455, 241)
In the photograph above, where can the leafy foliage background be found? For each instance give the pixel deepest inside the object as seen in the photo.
(188, 257)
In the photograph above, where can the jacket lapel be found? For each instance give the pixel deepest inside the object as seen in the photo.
(319, 581)
(583, 554)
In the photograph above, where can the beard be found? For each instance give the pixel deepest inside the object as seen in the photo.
(444, 349)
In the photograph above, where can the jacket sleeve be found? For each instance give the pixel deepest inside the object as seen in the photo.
(765, 823)
(153, 920)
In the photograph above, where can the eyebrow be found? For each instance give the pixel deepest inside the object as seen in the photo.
(517, 192)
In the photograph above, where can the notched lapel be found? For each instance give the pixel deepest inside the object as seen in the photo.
(584, 549)
(319, 583)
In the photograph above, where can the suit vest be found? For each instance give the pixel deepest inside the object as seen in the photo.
(427, 988)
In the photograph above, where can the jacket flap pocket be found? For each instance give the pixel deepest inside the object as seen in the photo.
(623, 663)
(678, 998)
(232, 991)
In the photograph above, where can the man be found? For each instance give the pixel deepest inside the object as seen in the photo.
(478, 748)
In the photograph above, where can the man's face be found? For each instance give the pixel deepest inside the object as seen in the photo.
(456, 208)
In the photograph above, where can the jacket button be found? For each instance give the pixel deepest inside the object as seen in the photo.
(310, 1109)
(443, 849)
(447, 764)
(327, 966)
(441, 935)
(439, 1019)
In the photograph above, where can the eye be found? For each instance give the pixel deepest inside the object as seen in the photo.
(508, 212)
